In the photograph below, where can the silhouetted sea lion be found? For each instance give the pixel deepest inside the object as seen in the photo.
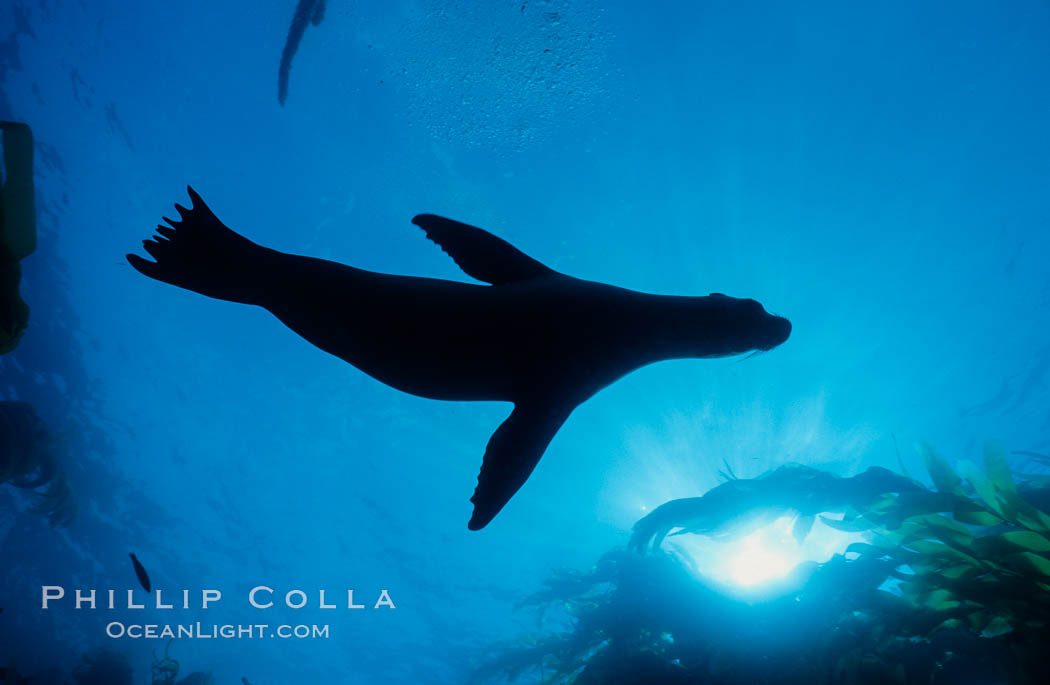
(740, 506)
(540, 339)
(306, 12)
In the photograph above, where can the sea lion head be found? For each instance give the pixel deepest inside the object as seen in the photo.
(727, 326)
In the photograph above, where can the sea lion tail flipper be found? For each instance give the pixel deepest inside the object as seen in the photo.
(512, 453)
(480, 254)
(202, 254)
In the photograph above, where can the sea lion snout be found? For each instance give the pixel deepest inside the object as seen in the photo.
(743, 325)
(764, 331)
(777, 330)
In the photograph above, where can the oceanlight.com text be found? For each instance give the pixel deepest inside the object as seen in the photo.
(197, 631)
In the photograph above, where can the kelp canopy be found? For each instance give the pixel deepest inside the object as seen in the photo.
(952, 585)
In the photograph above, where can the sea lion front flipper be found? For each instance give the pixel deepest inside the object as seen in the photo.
(512, 453)
(803, 524)
(480, 254)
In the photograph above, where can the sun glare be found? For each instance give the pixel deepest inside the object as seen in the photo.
(762, 556)
(754, 562)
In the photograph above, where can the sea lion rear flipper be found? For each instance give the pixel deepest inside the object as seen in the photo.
(200, 253)
(512, 453)
(480, 254)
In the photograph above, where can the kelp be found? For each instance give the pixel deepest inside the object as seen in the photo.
(657, 622)
(164, 671)
(951, 585)
(992, 569)
(29, 461)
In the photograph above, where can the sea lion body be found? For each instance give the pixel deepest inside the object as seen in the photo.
(535, 337)
(447, 340)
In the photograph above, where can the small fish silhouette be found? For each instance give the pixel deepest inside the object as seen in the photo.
(140, 572)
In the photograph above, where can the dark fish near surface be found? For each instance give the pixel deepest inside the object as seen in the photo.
(307, 11)
(532, 336)
(140, 572)
(244, 681)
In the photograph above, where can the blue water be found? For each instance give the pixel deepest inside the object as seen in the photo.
(876, 173)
